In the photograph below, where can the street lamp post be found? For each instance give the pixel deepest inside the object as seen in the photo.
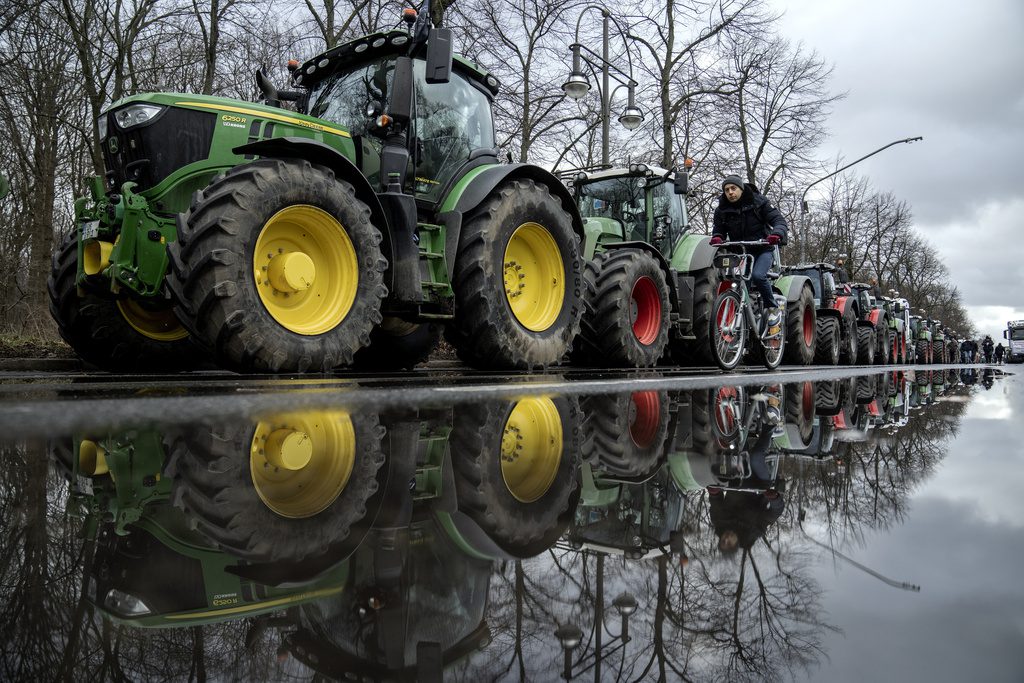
(803, 197)
(577, 85)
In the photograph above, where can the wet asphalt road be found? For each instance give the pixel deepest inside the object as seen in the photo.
(36, 402)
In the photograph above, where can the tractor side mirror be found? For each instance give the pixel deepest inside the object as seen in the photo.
(439, 55)
(402, 91)
(1004, 331)
(682, 183)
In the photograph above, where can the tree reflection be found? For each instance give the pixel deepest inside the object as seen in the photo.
(646, 526)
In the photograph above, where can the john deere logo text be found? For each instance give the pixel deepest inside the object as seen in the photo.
(233, 121)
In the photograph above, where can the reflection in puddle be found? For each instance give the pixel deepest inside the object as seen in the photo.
(656, 534)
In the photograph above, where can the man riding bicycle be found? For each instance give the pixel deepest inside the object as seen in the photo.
(744, 214)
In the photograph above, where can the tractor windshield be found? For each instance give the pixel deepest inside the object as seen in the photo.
(352, 98)
(451, 119)
(621, 199)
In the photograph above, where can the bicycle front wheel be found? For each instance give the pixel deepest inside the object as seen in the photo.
(728, 330)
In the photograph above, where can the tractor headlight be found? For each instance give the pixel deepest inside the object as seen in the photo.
(101, 125)
(125, 605)
(136, 114)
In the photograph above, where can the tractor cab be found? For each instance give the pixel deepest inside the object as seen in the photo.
(640, 203)
(822, 278)
(452, 123)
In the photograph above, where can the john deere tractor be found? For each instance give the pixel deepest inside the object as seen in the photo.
(650, 280)
(349, 225)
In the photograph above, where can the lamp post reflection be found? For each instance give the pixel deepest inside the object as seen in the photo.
(570, 636)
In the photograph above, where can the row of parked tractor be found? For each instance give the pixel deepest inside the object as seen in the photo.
(356, 226)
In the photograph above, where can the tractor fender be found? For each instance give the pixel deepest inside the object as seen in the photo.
(476, 185)
(694, 252)
(842, 303)
(319, 153)
(874, 315)
(865, 323)
(791, 285)
(670, 277)
(828, 313)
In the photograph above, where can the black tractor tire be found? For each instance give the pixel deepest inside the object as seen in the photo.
(923, 352)
(697, 351)
(883, 347)
(827, 395)
(627, 310)
(518, 524)
(486, 332)
(866, 388)
(628, 432)
(214, 486)
(938, 353)
(801, 402)
(848, 339)
(214, 261)
(826, 351)
(801, 337)
(94, 324)
(398, 345)
(865, 345)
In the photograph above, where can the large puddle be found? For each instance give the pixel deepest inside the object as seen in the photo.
(865, 528)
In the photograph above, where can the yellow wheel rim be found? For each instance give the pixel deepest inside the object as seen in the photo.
(161, 325)
(301, 463)
(531, 448)
(306, 269)
(534, 277)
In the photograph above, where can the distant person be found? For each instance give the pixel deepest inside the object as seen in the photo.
(876, 291)
(841, 269)
(1000, 350)
(966, 353)
(744, 214)
(986, 348)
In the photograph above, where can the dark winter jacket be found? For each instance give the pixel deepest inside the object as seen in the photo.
(751, 218)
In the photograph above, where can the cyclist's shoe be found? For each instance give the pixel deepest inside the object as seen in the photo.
(773, 322)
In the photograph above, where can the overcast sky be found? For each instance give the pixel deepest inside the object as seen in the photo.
(953, 72)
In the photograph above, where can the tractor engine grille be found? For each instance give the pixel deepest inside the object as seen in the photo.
(149, 153)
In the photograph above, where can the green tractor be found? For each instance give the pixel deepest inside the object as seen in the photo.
(835, 329)
(348, 228)
(922, 339)
(640, 249)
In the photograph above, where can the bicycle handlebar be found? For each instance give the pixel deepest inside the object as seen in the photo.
(754, 243)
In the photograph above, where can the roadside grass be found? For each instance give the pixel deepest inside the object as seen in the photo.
(12, 346)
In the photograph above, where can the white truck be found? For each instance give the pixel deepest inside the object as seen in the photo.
(1014, 334)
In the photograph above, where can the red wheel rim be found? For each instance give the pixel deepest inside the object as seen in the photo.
(807, 400)
(646, 418)
(647, 304)
(808, 326)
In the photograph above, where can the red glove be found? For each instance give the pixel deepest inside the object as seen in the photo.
(773, 239)
(715, 241)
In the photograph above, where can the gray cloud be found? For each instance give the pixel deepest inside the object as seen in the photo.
(954, 73)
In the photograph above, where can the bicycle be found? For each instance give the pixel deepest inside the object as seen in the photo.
(735, 314)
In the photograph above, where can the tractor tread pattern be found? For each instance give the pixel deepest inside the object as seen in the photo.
(606, 331)
(211, 268)
(485, 332)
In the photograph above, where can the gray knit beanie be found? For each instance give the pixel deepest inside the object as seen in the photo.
(732, 180)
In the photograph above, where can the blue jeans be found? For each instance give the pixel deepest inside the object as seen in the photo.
(759, 277)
